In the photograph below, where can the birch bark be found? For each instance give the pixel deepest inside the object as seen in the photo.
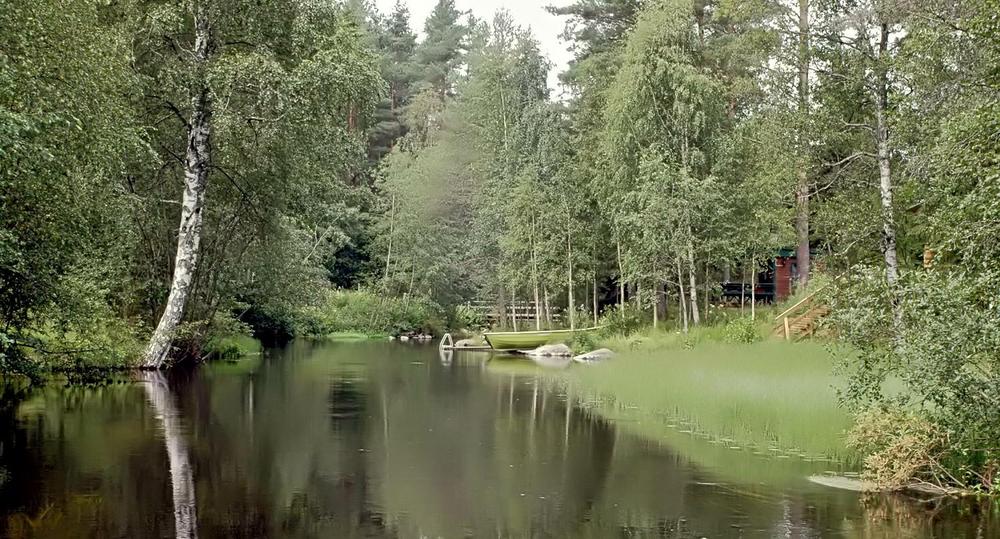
(196, 163)
(884, 164)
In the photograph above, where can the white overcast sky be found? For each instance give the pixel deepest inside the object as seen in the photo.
(529, 13)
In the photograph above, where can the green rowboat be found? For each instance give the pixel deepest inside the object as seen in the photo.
(526, 340)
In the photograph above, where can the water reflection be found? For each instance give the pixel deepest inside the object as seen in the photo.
(178, 453)
(381, 440)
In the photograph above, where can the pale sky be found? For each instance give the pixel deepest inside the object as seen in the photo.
(528, 13)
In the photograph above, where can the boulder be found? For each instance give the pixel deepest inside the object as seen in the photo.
(600, 354)
(551, 350)
(468, 343)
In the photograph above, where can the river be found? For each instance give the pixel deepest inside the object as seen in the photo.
(395, 440)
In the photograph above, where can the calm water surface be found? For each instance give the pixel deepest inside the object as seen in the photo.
(389, 440)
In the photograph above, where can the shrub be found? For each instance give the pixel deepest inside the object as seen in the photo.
(621, 321)
(465, 317)
(937, 335)
(582, 342)
(741, 331)
(899, 449)
(368, 312)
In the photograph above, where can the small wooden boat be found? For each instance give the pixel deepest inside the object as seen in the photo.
(526, 340)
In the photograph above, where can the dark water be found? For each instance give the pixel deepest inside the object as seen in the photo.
(386, 440)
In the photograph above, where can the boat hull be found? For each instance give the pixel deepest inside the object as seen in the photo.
(526, 340)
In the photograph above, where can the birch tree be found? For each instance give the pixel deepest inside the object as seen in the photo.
(197, 158)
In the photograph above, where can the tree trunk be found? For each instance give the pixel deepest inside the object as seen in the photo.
(621, 279)
(884, 165)
(513, 310)
(388, 254)
(569, 287)
(693, 285)
(753, 289)
(656, 304)
(548, 306)
(534, 278)
(178, 454)
(682, 304)
(706, 293)
(196, 163)
(743, 290)
(802, 255)
(595, 298)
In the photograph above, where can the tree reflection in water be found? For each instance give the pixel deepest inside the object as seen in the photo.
(178, 453)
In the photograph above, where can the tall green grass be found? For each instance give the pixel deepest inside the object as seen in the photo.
(770, 395)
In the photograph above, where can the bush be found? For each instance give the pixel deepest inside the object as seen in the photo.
(367, 312)
(741, 331)
(899, 449)
(937, 335)
(582, 342)
(621, 321)
(465, 317)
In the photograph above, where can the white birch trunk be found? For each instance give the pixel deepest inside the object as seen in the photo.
(621, 279)
(884, 164)
(682, 304)
(388, 253)
(595, 298)
(196, 164)
(534, 278)
(753, 289)
(802, 255)
(656, 308)
(569, 263)
(693, 285)
(178, 454)
(513, 310)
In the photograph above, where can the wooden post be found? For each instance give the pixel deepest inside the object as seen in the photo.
(788, 332)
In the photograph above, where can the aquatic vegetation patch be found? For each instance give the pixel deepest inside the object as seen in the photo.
(765, 395)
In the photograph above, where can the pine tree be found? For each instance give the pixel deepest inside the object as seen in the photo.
(442, 50)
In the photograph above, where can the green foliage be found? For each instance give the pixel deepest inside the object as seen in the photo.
(941, 348)
(465, 317)
(742, 330)
(371, 313)
(582, 342)
(621, 320)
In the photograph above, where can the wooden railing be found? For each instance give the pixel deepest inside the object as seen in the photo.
(789, 316)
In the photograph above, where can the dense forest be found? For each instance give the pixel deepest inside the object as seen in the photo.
(174, 172)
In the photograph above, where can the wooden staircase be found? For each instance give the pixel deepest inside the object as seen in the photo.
(800, 320)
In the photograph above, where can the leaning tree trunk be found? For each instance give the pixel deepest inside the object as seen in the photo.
(178, 455)
(802, 255)
(884, 165)
(196, 164)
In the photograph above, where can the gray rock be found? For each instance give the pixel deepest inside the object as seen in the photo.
(551, 350)
(600, 354)
(468, 343)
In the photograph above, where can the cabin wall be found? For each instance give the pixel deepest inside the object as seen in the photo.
(783, 277)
